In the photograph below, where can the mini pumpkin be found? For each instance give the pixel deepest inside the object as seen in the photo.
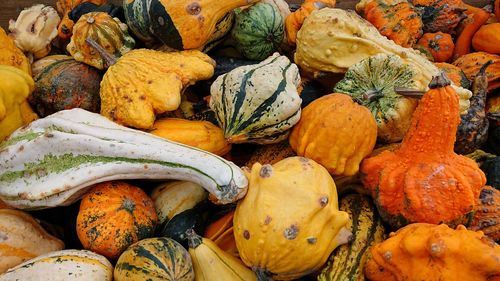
(440, 15)
(487, 38)
(487, 213)
(472, 63)
(64, 7)
(439, 44)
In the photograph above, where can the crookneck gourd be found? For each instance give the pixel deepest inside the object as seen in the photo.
(11, 55)
(257, 103)
(424, 180)
(297, 223)
(428, 252)
(487, 213)
(54, 160)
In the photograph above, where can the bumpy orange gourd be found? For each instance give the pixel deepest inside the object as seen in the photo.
(425, 180)
(487, 38)
(65, 28)
(335, 132)
(487, 213)
(439, 44)
(114, 215)
(434, 253)
(11, 55)
(471, 63)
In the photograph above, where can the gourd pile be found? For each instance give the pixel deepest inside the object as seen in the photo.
(250, 140)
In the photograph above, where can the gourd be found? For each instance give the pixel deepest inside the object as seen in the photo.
(64, 7)
(81, 265)
(332, 40)
(58, 85)
(87, 7)
(487, 213)
(114, 215)
(372, 82)
(486, 39)
(154, 259)
(34, 30)
(439, 44)
(492, 170)
(298, 210)
(434, 252)
(336, 132)
(109, 32)
(22, 239)
(440, 15)
(281, 5)
(427, 181)
(222, 234)
(455, 74)
(183, 24)
(257, 103)
(258, 31)
(348, 260)
(211, 263)
(271, 154)
(200, 134)
(471, 63)
(11, 55)
(76, 149)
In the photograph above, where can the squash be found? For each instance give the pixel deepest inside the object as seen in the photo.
(282, 6)
(22, 239)
(257, 103)
(434, 252)
(174, 197)
(427, 181)
(471, 63)
(336, 132)
(348, 260)
(154, 259)
(182, 24)
(271, 154)
(440, 15)
(439, 44)
(58, 85)
(258, 31)
(455, 74)
(81, 265)
(200, 134)
(64, 7)
(297, 223)
(114, 215)
(58, 174)
(222, 234)
(372, 82)
(211, 263)
(487, 213)
(34, 30)
(486, 39)
(492, 170)
(11, 55)
(88, 7)
(109, 32)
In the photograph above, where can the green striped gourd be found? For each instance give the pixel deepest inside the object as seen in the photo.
(257, 103)
(155, 259)
(347, 261)
(54, 160)
(74, 265)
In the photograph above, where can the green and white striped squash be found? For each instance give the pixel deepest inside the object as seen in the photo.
(155, 259)
(54, 160)
(74, 265)
(258, 103)
(347, 261)
(258, 31)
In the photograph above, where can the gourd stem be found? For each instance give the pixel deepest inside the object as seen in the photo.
(108, 58)
(482, 71)
(439, 81)
(194, 240)
(409, 93)
(372, 95)
(493, 116)
(262, 274)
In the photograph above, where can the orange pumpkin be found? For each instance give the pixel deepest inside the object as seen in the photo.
(487, 213)
(487, 38)
(65, 28)
(424, 180)
(439, 44)
(441, 15)
(114, 215)
(471, 63)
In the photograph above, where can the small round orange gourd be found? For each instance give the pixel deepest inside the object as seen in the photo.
(487, 38)
(439, 44)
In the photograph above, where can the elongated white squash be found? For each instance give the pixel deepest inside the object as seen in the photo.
(54, 160)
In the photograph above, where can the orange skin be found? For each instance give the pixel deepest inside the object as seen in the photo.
(476, 18)
(439, 44)
(471, 63)
(295, 20)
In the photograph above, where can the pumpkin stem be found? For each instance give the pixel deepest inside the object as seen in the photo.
(372, 95)
(409, 93)
(262, 274)
(482, 71)
(194, 240)
(439, 81)
(108, 58)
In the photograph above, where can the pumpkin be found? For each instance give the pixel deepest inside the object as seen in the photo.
(258, 31)
(471, 63)
(222, 234)
(80, 265)
(257, 103)
(297, 211)
(434, 252)
(34, 30)
(439, 44)
(372, 83)
(427, 181)
(154, 259)
(183, 24)
(64, 7)
(440, 15)
(114, 215)
(336, 132)
(23, 238)
(487, 213)
(455, 74)
(492, 170)
(271, 153)
(109, 32)
(399, 22)
(200, 134)
(11, 55)
(486, 38)
(58, 86)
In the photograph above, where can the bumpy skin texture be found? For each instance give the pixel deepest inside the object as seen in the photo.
(471, 63)
(294, 21)
(487, 213)
(335, 132)
(439, 44)
(434, 253)
(424, 180)
(297, 223)
(146, 82)
(440, 15)
(11, 55)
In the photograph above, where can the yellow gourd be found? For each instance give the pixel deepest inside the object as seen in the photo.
(12, 55)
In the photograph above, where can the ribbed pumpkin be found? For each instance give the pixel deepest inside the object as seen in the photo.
(439, 44)
(336, 132)
(154, 259)
(108, 32)
(440, 15)
(11, 55)
(487, 38)
(456, 75)
(112, 216)
(64, 7)
(487, 213)
(424, 180)
(471, 63)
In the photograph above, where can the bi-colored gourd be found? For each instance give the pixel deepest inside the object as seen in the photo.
(11, 55)
(487, 213)
(297, 211)
(486, 39)
(439, 44)
(336, 132)
(54, 160)
(424, 180)
(472, 63)
(440, 15)
(64, 7)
